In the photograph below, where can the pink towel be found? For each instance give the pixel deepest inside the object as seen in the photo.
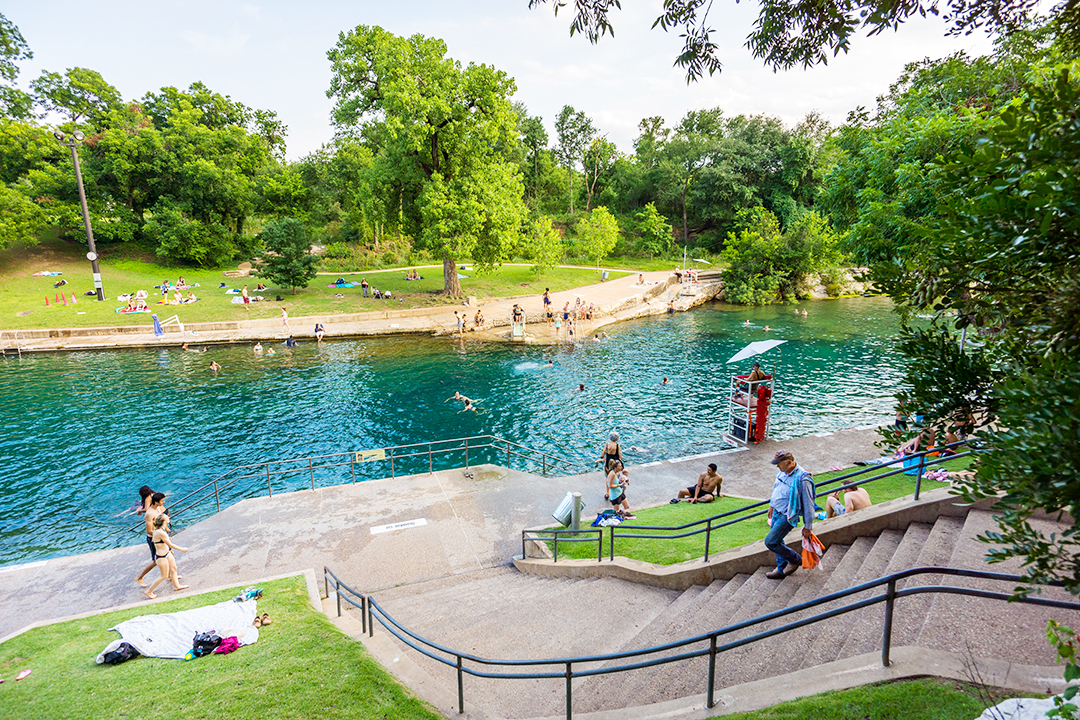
(227, 645)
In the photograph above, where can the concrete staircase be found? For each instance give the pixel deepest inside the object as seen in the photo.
(502, 614)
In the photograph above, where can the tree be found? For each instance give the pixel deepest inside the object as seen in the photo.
(575, 132)
(599, 158)
(14, 103)
(20, 219)
(534, 137)
(547, 247)
(687, 153)
(650, 140)
(80, 94)
(598, 232)
(654, 229)
(289, 262)
(439, 132)
(766, 264)
(1000, 261)
(790, 32)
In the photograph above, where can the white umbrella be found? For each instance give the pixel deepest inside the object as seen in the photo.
(756, 348)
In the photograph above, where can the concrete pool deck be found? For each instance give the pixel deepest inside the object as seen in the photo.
(451, 524)
(617, 299)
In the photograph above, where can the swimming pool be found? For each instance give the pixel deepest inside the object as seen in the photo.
(82, 431)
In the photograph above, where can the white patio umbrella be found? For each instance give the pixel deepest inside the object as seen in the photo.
(755, 348)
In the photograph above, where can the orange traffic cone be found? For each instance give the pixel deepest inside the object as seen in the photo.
(63, 298)
(56, 299)
(47, 301)
(73, 300)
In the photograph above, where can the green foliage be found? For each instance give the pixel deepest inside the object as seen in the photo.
(80, 94)
(290, 262)
(766, 264)
(437, 130)
(1066, 642)
(598, 232)
(180, 238)
(20, 219)
(575, 132)
(654, 229)
(1000, 258)
(546, 246)
(14, 103)
(787, 34)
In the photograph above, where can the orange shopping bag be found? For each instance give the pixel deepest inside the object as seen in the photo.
(812, 550)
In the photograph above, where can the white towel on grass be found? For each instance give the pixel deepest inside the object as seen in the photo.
(170, 635)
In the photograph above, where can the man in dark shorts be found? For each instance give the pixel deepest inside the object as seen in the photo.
(705, 490)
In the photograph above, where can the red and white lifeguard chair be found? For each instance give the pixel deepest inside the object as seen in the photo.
(749, 402)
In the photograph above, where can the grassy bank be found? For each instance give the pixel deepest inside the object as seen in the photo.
(125, 270)
(926, 699)
(676, 550)
(301, 667)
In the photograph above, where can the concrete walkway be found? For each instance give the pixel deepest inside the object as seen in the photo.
(462, 524)
(616, 299)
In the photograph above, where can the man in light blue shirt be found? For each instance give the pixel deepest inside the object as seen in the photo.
(792, 497)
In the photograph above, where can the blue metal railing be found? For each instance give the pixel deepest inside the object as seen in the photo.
(372, 612)
(922, 460)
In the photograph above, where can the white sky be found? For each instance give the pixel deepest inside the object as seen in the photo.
(272, 55)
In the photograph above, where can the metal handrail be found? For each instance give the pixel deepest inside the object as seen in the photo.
(372, 611)
(713, 523)
(394, 454)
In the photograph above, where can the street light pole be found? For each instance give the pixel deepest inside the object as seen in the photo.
(91, 255)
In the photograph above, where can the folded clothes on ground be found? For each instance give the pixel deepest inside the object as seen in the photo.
(168, 635)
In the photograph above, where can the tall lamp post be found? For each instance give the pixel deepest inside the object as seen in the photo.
(91, 255)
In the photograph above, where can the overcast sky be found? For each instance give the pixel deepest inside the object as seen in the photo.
(272, 55)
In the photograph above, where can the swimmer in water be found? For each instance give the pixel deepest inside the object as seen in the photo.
(549, 364)
(462, 398)
(766, 328)
(580, 388)
(665, 381)
(214, 367)
(258, 347)
(746, 324)
(270, 351)
(804, 313)
(468, 406)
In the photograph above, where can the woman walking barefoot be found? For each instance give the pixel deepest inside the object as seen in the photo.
(165, 561)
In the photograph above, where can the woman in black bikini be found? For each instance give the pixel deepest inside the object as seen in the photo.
(612, 452)
(166, 563)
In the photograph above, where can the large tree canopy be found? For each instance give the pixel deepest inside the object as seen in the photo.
(788, 33)
(439, 132)
(14, 103)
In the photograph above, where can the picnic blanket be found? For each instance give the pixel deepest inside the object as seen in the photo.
(170, 635)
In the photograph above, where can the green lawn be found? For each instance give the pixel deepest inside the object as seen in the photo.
(926, 699)
(125, 269)
(669, 552)
(302, 667)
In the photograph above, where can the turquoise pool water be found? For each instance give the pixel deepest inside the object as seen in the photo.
(82, 431)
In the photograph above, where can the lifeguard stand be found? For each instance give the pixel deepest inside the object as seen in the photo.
(749, 402)
(748, 408)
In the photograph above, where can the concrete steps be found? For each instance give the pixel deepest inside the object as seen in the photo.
(501, 614)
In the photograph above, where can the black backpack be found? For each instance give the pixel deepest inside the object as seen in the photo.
(122, 653)
(205, 643)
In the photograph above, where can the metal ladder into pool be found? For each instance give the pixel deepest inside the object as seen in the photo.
(4, 349)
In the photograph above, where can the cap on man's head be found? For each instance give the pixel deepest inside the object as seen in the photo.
(781, 456)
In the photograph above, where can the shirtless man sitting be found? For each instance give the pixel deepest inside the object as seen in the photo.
(706, 490)
(855, 498)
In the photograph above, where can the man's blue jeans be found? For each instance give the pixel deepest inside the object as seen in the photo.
(775, 542)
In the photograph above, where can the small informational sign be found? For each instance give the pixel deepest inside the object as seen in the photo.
(370, 455)
(398, 526)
